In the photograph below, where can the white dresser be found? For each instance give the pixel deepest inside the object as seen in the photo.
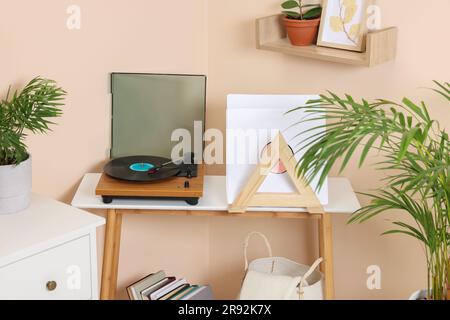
(49, 251)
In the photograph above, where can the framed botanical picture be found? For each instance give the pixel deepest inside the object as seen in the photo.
(344, 24)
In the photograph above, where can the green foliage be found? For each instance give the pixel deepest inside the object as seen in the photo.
(415, 153)
(314, 10)
(30, 110)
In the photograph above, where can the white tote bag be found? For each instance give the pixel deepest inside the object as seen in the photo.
(276, 278)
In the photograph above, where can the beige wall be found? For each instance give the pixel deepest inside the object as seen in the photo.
(216, 38)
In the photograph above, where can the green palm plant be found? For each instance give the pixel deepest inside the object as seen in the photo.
(415, 153)
(31, 110)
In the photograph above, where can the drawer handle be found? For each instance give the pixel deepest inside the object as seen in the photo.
(51, 285)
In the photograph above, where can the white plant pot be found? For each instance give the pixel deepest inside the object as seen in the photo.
(15, 187)
(419, 295)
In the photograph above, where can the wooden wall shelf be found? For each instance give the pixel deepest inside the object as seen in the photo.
(381, 45)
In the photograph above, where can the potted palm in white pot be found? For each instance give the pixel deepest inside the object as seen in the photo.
(26, 111)
(416, 162)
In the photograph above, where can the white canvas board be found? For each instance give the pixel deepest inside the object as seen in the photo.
(265, 114)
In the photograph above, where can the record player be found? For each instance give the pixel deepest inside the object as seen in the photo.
(147, 109)
(145, 177)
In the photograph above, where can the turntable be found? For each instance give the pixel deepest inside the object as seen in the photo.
(146, 111)
(145, 177)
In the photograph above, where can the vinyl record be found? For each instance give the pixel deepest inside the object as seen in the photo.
(140, 169)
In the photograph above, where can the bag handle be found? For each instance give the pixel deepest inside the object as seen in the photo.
(266, 241)
(307, 275)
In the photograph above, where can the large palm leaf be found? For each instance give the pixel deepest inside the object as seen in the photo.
(415, 153)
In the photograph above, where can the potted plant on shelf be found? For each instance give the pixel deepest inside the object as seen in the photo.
(30, 110)
(416, 162)
(302, 22)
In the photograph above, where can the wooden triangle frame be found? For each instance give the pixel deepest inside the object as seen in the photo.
(303, 198)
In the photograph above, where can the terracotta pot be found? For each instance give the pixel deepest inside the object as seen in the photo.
(302, 32)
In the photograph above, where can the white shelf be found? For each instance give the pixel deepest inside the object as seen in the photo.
(342, 198)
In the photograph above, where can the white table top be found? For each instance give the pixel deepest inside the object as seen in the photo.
(342, 198)
(42, 225)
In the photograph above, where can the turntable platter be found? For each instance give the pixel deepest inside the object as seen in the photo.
(141, 169)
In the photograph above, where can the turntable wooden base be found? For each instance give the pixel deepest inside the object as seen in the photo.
(176, 188)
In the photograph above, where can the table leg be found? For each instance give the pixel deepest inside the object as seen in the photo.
(326, 252)
(111, 255)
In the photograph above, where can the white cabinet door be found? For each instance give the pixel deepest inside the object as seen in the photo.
(62, 272)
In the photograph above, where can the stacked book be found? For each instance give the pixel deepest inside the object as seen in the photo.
(158, 286)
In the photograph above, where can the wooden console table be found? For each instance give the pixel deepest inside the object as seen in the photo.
(213, 204)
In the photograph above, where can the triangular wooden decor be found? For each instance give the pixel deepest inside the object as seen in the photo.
(249, 196)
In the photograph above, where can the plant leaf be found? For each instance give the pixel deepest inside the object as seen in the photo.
(350, 11)
(349, 3)
(336, 24)
(312, 13)
(290, 4)
(354, 30)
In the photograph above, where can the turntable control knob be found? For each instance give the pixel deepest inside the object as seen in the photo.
(186, 185)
